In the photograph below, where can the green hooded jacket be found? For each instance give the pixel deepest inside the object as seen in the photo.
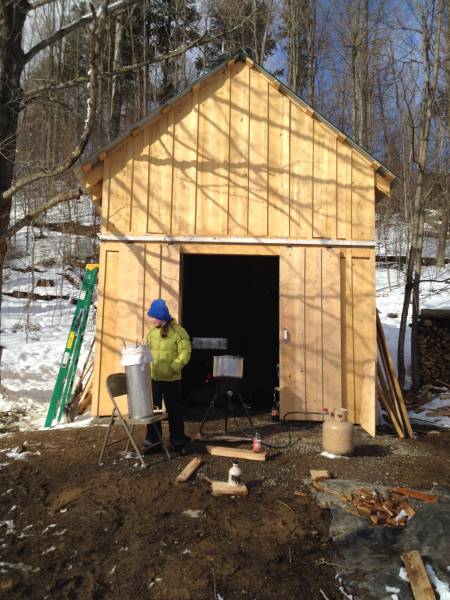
(170, 354)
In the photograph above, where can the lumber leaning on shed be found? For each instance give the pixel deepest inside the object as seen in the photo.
(389, 391)
(418, 578)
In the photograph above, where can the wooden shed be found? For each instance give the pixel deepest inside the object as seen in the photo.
(254, 218)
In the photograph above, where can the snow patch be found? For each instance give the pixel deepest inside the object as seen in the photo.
(442, 587)
(332, 456)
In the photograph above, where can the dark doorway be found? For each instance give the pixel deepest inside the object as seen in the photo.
(237, 298)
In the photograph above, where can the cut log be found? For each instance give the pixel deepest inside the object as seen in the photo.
(189, 469)
(418, 578)
(235, 453)
(428, 498)
(222, 488)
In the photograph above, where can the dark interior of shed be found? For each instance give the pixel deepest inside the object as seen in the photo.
(237, 298)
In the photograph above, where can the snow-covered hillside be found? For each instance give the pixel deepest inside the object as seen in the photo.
(34, 332)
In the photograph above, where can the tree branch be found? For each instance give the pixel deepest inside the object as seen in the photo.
(200, 41)
(30, 217)
(63, 31)
(99, 22)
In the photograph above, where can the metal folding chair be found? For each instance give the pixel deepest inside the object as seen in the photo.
(116, 385)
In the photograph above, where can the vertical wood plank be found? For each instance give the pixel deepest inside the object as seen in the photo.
(363, 199)
(278, 172)
(139, 197)
(185, 165)
(109, 341)
(239, 148)
(152, 281)
(368, 413)
(106, 200)
(349, 399)
(364, 323)
(324, 190)
(292, 313)
(258, 151)
(301, 173)
(101, 288)
(129, 309)
(121, 175)
(313, 330)
(344, 191)
(160, 180)
(170, 277)
(213, 155)
(331, 328)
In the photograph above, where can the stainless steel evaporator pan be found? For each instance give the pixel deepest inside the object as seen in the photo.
(228, 366)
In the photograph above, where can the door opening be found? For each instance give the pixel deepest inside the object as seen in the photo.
(235, 298)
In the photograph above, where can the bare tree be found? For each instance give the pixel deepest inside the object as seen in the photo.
(431, 19)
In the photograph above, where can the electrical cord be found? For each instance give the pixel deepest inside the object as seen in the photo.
(284, 423)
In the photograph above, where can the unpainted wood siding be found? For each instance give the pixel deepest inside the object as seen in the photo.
(327, 306)
(238, 157)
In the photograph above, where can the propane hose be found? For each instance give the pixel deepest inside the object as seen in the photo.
(284, 423)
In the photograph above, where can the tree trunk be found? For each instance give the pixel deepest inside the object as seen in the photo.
(116, 91)
(442, 239)
(12, 19)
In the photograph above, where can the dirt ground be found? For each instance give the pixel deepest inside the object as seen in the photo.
(72, 529)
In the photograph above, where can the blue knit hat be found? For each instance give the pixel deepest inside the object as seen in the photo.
(159, 310)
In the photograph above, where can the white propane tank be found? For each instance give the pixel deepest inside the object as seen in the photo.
(337, 433)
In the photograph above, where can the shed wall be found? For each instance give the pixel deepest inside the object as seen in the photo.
(238, 157)
(327, 304)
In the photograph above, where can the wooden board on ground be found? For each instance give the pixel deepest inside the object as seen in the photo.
(319, 474)
(418, 578)
(235, 453)
(223, 488)
(429, 498)
(189, 469)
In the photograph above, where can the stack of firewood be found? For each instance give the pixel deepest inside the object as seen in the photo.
(382, 509)
(434, 346)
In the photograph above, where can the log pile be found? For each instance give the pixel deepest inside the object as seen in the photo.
(390, 508)
(434, 346)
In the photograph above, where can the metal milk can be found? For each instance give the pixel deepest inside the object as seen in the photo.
(136, 361)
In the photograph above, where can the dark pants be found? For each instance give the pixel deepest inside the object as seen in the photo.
(171, 391)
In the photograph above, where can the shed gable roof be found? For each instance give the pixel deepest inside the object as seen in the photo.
(90, 171)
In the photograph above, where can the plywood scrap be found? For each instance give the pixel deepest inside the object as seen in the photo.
(189, 469)
(236, 453)
(416, 495)
(222, 488)
(319, 474)
(417, 575)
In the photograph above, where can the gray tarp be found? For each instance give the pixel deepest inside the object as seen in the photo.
(369, 557)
